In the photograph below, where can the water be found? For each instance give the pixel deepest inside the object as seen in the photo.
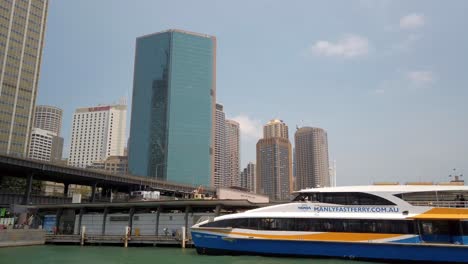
(50, 254)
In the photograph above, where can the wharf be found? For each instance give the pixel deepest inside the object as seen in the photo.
(115, 239)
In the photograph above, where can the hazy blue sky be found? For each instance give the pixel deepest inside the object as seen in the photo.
(388, 80)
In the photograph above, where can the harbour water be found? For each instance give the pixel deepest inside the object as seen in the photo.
(50, 254)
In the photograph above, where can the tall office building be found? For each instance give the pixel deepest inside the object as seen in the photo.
(248, 177)
(97, 133)
(233, 152)
(46, 142)
(274, 162)
(220, 152)
(173, 110)
(22, 28)
(45, 145)
(48, 118)
(275, 128)
(312, 169)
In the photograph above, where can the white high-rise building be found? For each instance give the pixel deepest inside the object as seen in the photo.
(45, 145)
(47, 126)
(97, 133)
(248, 178)
(220, 157)
(48, 118)
(233, 153)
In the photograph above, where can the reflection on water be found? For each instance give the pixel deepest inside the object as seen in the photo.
(137, 255)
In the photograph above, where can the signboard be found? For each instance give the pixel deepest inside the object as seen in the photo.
(49, 223)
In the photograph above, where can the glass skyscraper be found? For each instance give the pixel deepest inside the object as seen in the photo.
(173, 108)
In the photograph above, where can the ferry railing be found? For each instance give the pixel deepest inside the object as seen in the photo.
(449, 204)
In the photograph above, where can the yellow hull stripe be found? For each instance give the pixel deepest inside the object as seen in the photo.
(327, 236)
(444, 213)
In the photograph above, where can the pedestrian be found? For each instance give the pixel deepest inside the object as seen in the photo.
(462, 201)
(457, 201)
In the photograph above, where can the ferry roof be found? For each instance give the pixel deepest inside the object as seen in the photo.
(394, 189)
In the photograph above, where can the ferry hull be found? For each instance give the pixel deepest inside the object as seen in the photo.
(216, 244)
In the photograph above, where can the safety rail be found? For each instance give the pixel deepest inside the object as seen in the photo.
(449, 204)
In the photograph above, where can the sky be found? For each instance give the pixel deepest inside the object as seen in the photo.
(387, 80)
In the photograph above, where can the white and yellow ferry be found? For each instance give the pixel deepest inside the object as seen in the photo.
(398, 223)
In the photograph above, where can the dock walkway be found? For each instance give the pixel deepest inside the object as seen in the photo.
(114, 239)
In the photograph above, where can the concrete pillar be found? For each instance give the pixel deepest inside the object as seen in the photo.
(80, 218)
(130, 218)
(104, 217)
(218, 209)
(93, 192)
(27, 193)
(156, 233)
(58, 216)
(65, 189)
(187, 210)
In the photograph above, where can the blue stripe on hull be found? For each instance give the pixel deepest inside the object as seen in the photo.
(378, 251)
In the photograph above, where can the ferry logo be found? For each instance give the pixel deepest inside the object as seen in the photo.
(304, 207)
(358, 209)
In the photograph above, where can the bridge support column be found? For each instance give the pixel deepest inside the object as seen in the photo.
(104, 217)
(93, 192)
(80, 218)
(156, 232)
(187, 210)
(218, 209)
(131, 212)
(65, 189)
(27, 193)
(58, 217)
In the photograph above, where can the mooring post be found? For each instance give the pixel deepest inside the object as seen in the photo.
(83, 233)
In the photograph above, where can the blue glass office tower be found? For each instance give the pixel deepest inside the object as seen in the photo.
(174, 94)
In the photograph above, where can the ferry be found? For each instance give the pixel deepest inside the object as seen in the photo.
(392, 223)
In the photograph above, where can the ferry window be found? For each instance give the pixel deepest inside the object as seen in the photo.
(241, 223)
(222, 223)
(344, 198)
(334, 198)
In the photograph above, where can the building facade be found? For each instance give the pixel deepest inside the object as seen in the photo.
(45, 145)
(97, 133)
(48, 118)
(233, 152)
(22, 29)
(274, 162)
(47, 124)
(220, 151)
(114, 164)
(173, 110)
(312, 165)
(275, 128)
(248, 178)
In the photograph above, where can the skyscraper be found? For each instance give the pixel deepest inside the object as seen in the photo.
(45, 145)
(274, 161)
(97, 133)
(22, 39)
(275, 128)
(46, 142)
(233, 152)
(220, 151)
(311, 146)
(48, 118)
(173, 110)
(248, 177)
